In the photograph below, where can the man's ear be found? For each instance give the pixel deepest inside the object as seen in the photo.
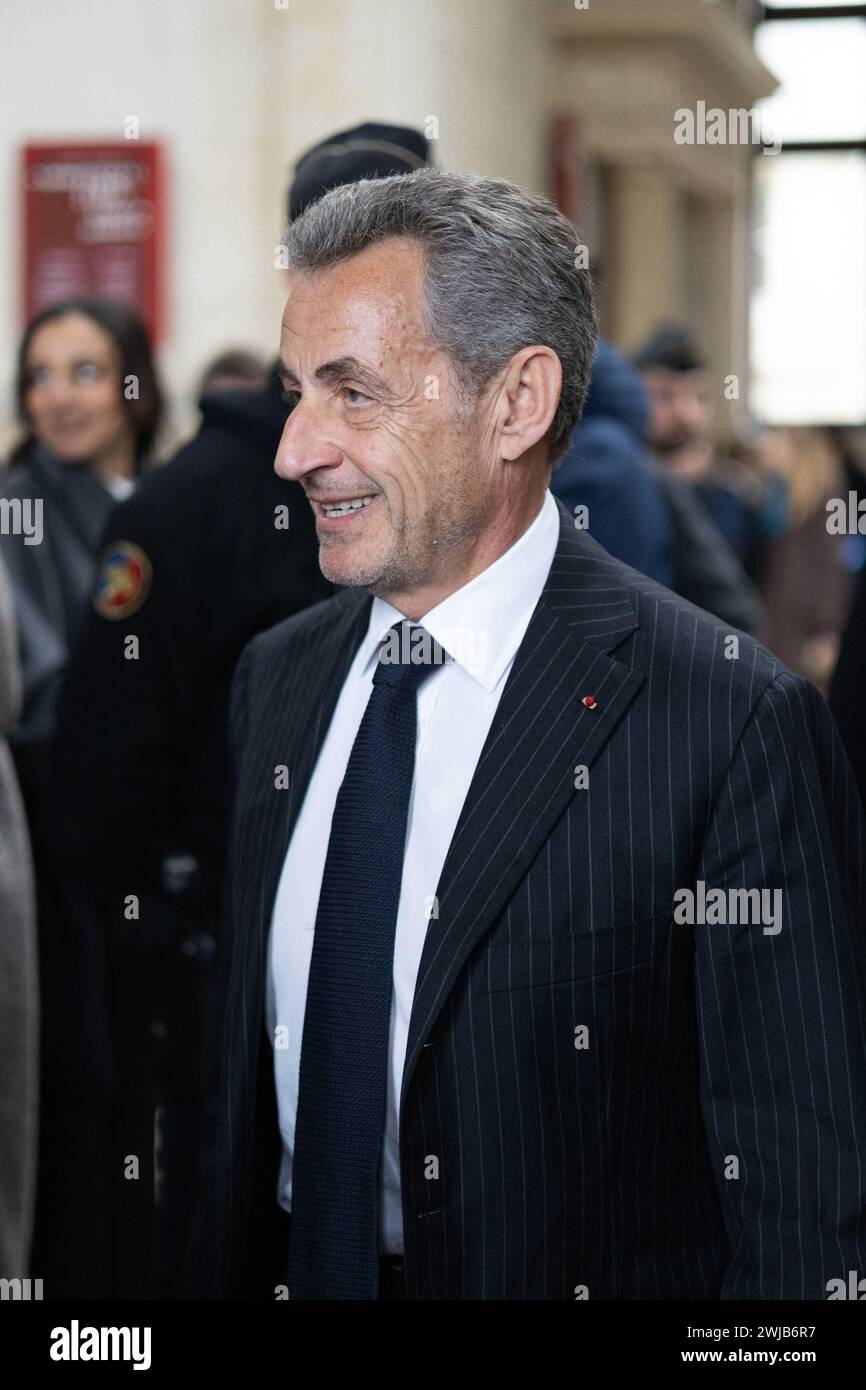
(528, 397)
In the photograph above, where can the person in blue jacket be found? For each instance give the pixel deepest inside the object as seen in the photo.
(637, 509)
(608, 470)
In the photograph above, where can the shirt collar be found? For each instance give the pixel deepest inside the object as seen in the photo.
(482, 624)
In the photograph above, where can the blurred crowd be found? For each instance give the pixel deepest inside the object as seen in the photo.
(121, 622)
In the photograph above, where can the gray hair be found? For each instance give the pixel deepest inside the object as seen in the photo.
(502, 271)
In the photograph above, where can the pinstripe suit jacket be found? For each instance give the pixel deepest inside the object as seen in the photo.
(621, 1106)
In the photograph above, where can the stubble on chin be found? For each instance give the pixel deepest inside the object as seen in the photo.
(381, 568)
(407, 556)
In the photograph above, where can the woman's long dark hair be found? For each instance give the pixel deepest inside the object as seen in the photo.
(129, 335)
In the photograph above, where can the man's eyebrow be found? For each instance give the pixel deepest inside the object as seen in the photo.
(342, 367)
(337, 370)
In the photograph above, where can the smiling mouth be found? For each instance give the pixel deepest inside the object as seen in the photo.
(343, 508)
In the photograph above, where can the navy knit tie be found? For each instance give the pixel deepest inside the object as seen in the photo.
(340, 1120)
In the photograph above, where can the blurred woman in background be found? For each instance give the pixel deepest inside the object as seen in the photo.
(807, 577)
(90, 404)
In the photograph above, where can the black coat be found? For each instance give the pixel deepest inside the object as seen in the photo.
(141, 776)
(606, 1169)
(141, 759)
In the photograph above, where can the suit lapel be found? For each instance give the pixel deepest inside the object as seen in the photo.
(525, 775)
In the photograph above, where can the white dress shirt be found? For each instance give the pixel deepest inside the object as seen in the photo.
(481, 626)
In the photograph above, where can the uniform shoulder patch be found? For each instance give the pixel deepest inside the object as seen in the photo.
(123, 577)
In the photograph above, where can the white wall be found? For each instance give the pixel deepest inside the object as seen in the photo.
(237, 89)
(191, 72)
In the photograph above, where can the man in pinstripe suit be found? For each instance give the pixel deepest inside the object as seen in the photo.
(590, 1090)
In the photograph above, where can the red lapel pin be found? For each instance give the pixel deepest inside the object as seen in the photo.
(590, 701)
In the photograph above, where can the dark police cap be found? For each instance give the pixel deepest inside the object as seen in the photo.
(369, 151)
(671, 347)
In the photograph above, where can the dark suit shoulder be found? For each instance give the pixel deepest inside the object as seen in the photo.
(687, 652)
(691, 655)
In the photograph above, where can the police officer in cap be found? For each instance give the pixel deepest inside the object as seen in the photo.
(210, 550)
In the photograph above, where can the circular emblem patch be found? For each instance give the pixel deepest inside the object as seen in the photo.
(122, 580)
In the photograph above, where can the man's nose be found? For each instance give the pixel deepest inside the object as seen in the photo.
(305, 445)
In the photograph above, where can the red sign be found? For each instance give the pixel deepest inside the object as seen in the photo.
(93, 225)
(564, 157)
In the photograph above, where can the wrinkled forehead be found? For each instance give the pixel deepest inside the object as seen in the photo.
(372, 301)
